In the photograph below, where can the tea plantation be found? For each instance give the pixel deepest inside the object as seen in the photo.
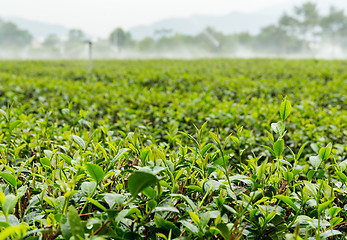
(173, 149)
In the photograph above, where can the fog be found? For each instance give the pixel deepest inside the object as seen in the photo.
(323, 51)
(302, 32)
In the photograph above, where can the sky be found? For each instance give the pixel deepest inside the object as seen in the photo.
(100, 17)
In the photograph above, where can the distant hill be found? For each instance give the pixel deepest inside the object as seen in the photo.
(234, 22)
(38, 29)
(230, 23)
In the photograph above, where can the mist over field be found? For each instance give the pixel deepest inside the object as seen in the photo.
(326, 51)
(305, 31)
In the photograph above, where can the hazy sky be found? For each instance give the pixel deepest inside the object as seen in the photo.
(100, 17)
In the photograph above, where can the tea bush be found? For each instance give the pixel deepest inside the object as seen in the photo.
(204, 149)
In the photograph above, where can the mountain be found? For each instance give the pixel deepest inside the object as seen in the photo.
(229, 23)
(38, 29)
(233, 22)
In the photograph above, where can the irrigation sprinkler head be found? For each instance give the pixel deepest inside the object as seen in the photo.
(88, 42)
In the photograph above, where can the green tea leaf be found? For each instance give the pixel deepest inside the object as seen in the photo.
(45, 162)
(113, 199)
(9, 204)
(96, 172)
(2, 198)
(96, 203)
(333, 211)
(167, 225)
(138, 181)
(330, 233)
(341, 176)
(278, 147)
(191, 227)
(215, 138)
(194, 217)
(278, 128)
(311, 189)
(119, 154)
(79, 141)
(18, 231)
(65, 227)
(9, 178)
(336, 220)
(270, 217)
(285, 109)
(300, 151)
(315, 161)
(323, 206)
(324, 153)
(76, 227)
(87, 188)
(4, 114)
(65, 157)
(288, 201)
(225, 232)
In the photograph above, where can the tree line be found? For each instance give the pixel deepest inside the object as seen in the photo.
(303, 30)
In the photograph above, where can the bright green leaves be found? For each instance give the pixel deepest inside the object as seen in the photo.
(113, 199)
(79, 141)
(152, 182)
(324, 154)
(315, 161)
(323, 206)
(88, 188)
(194, 217)
(288, 201)
(261, 171)
(45, 162)
(9, 203)
(2, 198)
(4, 114)
(311, 189)
(278, 147)
(139, 181)
(9, 178)
(285, 109)
(96, 172)
(14, 232)
(278, 128)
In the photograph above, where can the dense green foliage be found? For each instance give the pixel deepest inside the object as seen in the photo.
(228, 149)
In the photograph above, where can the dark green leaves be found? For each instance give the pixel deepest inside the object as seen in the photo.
(138, 181)
(76, 226)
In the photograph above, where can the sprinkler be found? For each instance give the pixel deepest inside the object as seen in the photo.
(90, 45)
